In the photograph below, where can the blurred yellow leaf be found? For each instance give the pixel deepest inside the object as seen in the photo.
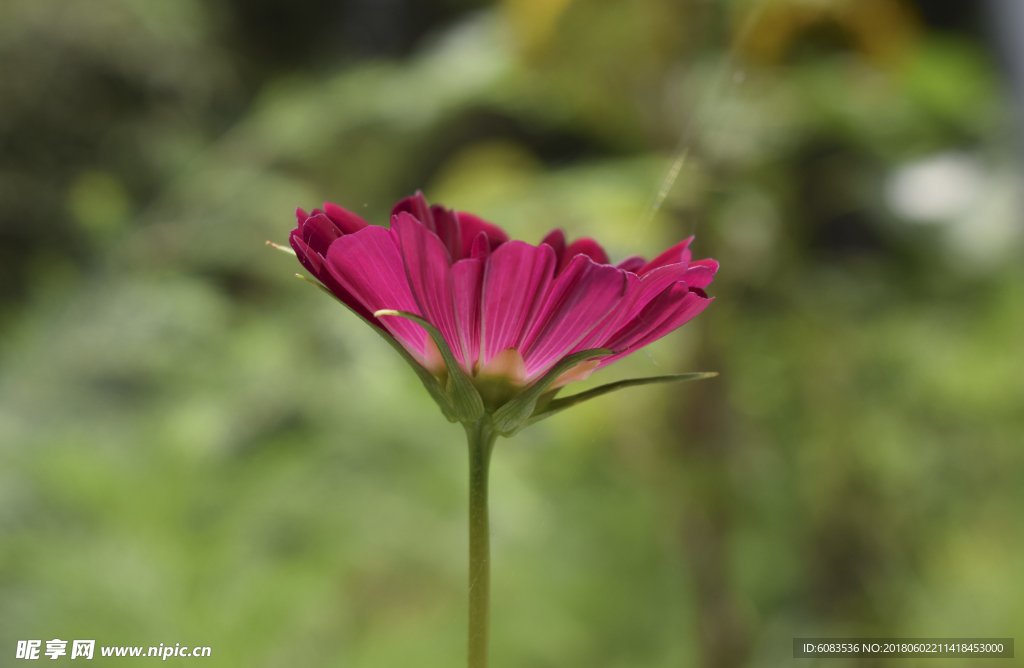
(534, 21)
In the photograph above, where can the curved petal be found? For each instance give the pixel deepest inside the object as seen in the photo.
(556, 239)
(310, 259)
(680, 253)
(430, 278)
(632, 263)
(316, 265)
(578, 301)
(671, 309)
(457, 230)
(417, 207)
(319, 232)
(467, 282)
(516, 280)
(322, 233)
(639, 293)
(656, 281)
(347, 222)
(700, 275)
(446, 224)
(653, 284)
(472, 226)
(612, 321)
(369, 265)
(481, 247)
(585, 246)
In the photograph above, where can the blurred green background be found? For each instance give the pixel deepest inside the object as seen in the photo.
(196, 447)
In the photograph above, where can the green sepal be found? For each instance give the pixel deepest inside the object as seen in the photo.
(510, 418)
(464, 398)
(428, 379)
(283, 249)
(559, 405)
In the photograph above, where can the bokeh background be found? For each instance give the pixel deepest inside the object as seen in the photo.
(196, 447)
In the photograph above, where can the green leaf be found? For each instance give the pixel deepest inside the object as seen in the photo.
(468, 405)
(283, 249)
(510, 418)
(559, 405)
(429, 381)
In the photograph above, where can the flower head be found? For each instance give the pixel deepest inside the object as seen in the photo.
(493, 327)
(509, 312)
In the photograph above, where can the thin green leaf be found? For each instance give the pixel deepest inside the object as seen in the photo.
(509, 418)
(283, 249)
(559, 405)
(429, 381)
(464, 397)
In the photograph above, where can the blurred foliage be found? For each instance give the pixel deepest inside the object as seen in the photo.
(195, 447)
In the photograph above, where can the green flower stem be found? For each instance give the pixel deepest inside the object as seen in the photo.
(481, 437)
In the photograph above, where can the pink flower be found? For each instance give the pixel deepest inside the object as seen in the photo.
(508, 310)
(493, 327)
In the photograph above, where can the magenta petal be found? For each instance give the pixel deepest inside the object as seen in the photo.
(417, 207)
(369, 266)
(640, 292)
(457, 230)
(467, 282)
(585, 246)
(679, 253)
(319, 232)
(656, 281)
(671, 309)
(556, 239)
(578, 301)
(347, 222)
(472, 226)
(516, 280)
(448, 231)
(707, 262)
(309, 258)
(614, 320)
(699, 276)
(430, 277)
(316, 265)
(632, 263)
(481, 248)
